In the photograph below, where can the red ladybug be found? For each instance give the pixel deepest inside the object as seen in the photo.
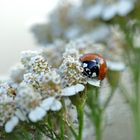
(94, 66)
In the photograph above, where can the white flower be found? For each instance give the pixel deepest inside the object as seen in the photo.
(8, 88)
(40, 111)
(10, 125)
(51, 75)
(16, 73)
(27, 55)
(46, 103)
(37, 114)
(3, 90)
(94, 82)
(38, 64)
(109, 12)
(56, 105)
(20, 115)
(71, 71)
(116, 66)
(124, 7)
(94, 11)
(72, 90)
(27, 98)
(51, 104)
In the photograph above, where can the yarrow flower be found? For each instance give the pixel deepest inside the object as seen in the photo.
(73, 70)
(44, 80)
(34, 63)
(88, 13)
(27, 98)
(54, 81)
(7, 110)
(108, 9)
(35, 87)
(7, 106)
(16, 73)
(115, 46)
(8, 88)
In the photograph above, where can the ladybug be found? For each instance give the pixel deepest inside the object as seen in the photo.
(94, 66)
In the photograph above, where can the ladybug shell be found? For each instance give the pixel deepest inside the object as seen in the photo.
(103, 66)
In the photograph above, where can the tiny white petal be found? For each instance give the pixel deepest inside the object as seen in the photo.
(116, 66)
(37, 114)
(70, 91)
(56, 105)
(3, 90)
(16, 73)
(20, 115)
(79, 87)
(124, 7)
(47, 103)
(94, 11)
(10, 125)
(94, 82)
(109, 12)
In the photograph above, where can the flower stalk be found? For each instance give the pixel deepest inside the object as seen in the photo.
(96, 111)
(80, 111)
(79, 101)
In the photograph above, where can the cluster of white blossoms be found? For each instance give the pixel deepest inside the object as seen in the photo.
(45, 78)
(107, 9)
(70, 21)
(35, 87)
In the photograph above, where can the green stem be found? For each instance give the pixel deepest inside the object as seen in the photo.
(72, 130)
(62, 129)
(97, 121)
(98, 130)
(80, 111)
(79, 101)
(96, 110)
(136, 124)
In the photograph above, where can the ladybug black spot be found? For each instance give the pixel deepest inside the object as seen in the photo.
(91, 68)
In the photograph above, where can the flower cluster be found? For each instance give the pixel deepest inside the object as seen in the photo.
(70, 21)
(35, 87)
(108, 9)
(45, 77)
